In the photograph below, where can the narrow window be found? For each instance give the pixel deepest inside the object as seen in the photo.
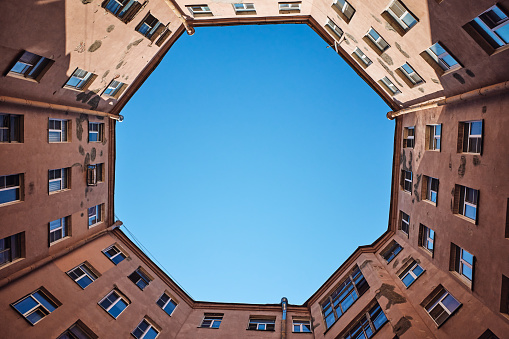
(11, 128)
(426, 238)
(95, 174)
(59, 229)
(95, 131)
(114, 304)
(470, 135)
(411, 273)
(344, 9)
(466, 201)
(11, 248)
(79, 80)
(334, 29)
(406, 181)
(301, 326)
(57, 130)
(145, 330)
(95, 215)
(35, 306)
(260, 324)
(212, 320)
(389, 86)
(409, 137)
(125, 10)
(504, 296)
(10, 188)
(405, 222)
(114, 254)
(30, 66)
(140, 278)
(441, 306)
(462, 262)
(379, 42)
(363, 58)
(82, 275)
(433, 137)
(429, 189)
(58, 179)
(391, 251)
(167, 303)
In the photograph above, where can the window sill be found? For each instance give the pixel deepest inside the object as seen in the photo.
(407, 287)
(430, 202)
(471, 153)
(59, 191)
(247, 329)
(10, 143)
(10, 203)
(501, 49)
(17, 76)
(466, 218)
(74, 89)
(404, 233)
(291, 11)
(59, 240)
(432, 150)
(11, 263)
(209, 328)
(428, 252)
(59, 142)
(95, 225)
(463, 279)
(303, 332)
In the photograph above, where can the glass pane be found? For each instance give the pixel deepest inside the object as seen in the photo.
(467, 257)
(374, 34)
(417, 270)
(470, 212)
(118, 258)
(476, 128)
(26, 305)
(466, 271)
(55, 224)
(450, 303)
(407, 280)
(9, 195)
(216, 324)
(170, 307)
(503, 33)
(43, 300)
(117, 308)
(151, 334)
(85, 281)
(409, 20)
(35, 316)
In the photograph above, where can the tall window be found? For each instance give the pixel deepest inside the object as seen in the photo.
(426, 238)
(405, 222)
(462, 262)
(466, 200)
(30, 66)
(114, 254)
(409, 137)
(166, 303)
(79, 79)
(212, 320)
(114, 303)
(430, 189)
(140, 278)
(433, 137)
(57, 130)
(95, 174)
(58, 179)
(441, 305)
(35, 306)
(59, 229)
(493, 26)
(95, 131)
(11, 248)
(344, 296)
(406, 181)
(411, 273)
(301, 326)
(145, 330)
(10, 188)
(368, 325)
(11, 128)
(95, 215)
(470, 135)
(82, 275)
(260, 324)
(345, 9)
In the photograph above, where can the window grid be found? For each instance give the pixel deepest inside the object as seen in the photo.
(35, 306)
(344, 7)
(473, 136)
(95, 131)
(364, 58)
(409, 275)
(10, 248)
(211, 321)
(378, 40)
(82, 275)
(402, 16)
(57, 131)
(445, 60)
(368, 325)
(145, 330)
(289, 6)
(167, 303)
(405, 222)
(10, 128)
(466, 264)
(10, 188)
(335, 28)
(199, 9)
(302, 326)
(78, 79)
(58, 229)
(113, 88)
(411, 74)
(432, 190)
(429, 239)
(58, 179)
(493, 23)
(140, 279)
(394, 90)
(114, 254)
(435, 132)
(241, 7)
(468, 202)
(261, 324)
(114, 304)
(94, 215)
(391, 251)
(442, 306)
(29, 66)
(407, 181)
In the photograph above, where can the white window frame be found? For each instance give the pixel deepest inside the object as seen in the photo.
(31, 70)
(63, 179)
(390, 85)
(244, 7)
(142, 276)
(343, 6)
(410, 272)
(429, 190)
(213, 320)
(63, 226)
(301, 323)
(113, 88)
(367, 61)
(410, 137)
(119, 252)
(197, 9)
(444, 295)
(378, 40)
(406, 180)
(472, 136)
(11, 249)
(440, 58)
(405, 12)
(82, 76)
(335, 28)
(98, 215)
(289, 6)
(99, 132)
(434, 137)
(492, 32)
(119, 297)
(4, 187)
(87, 272)
(406, 222)
(170, 300)
(146, 331)
(412, 75)
(62, 131)
(40, 306)
(466, 203)
(466, 263)
(428, 239)
(261, 322)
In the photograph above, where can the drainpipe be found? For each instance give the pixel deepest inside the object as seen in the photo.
(178, 12)
(475, 94)
(45, 105)
(284, 306)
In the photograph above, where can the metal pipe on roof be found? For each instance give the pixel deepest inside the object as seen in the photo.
(284, 306)
(178, 12)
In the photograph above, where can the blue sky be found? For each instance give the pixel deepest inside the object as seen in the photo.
(253, 162)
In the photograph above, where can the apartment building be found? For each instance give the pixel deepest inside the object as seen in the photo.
(441, 269)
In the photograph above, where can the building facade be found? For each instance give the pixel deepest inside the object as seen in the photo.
(441, 270)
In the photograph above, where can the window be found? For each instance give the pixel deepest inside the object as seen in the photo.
(289, 6)
(389, 86)
(58, 179)
(411, 273)
(433, 134)
(429, 189)
(488, 335)
(462, 262)
(409, 137)
(401, 16)
(57, 130)
(11, 248)
(470, 135)
(125, 10)
(150, 27)
(465, 202)
(79, 80)
(140, 278)
(261, 324)
(353, 287)
(391, 251)
(35, 306)
(78, 331)
(411, 75)
(442, 58)
(82, 275)
(199, 9)
(59, 229)
(362, 57)
(334, 29)
(379, 42)
(368, 325)
(504, 296)
(10, 188)
(405, 222)
(114, 89)
(344, 9)
(242, 8)
(95, 215)
(114, 304)
(30, 66)
(490, 29)
(95, 174)
(95, 131)
(114, 254)
(406, 181)
(302, 326)
(441, 306)
(145, 330)
(212, 320)
(11, 128)
(426, 238)
(166, 303)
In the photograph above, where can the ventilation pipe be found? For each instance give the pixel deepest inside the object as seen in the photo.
(284, 306)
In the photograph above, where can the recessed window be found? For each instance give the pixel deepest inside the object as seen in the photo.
(145, 330)
(140, 278)
(35, 306)
(289, 7)
(199, 9)
(11, 128)
(379, 42)
(470, 134)
(58, 179)
(125, 10)
(82, 275)
(114, 89)
(411, 75)
(114, 254)
(95, 174)
(363, 58)
(150, 27)
(95, 131)
(389, 86)
(301, 326)
(433, 137)
(442, 58)
(261, 324)
(344, 9)
(370, 322)
(426, 238)
(402, 17)
(212, 320)
(243, 8)
(334, 29)
(11, 248)
(405, 222)
(114, 303)
(429, 189)
(353, 287)
(406, 181)
(411, 273)
(462, 262)
(79, 80)
(490, 29)
(466, 200)
(59, 229)
(441, 306)
(30, 66)
(167, 303)
(10, 188)
(504, 296)
(391, 251)
(78, 331)
(488, 334)
(57, 130)
(95, 215)
(409, 137)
